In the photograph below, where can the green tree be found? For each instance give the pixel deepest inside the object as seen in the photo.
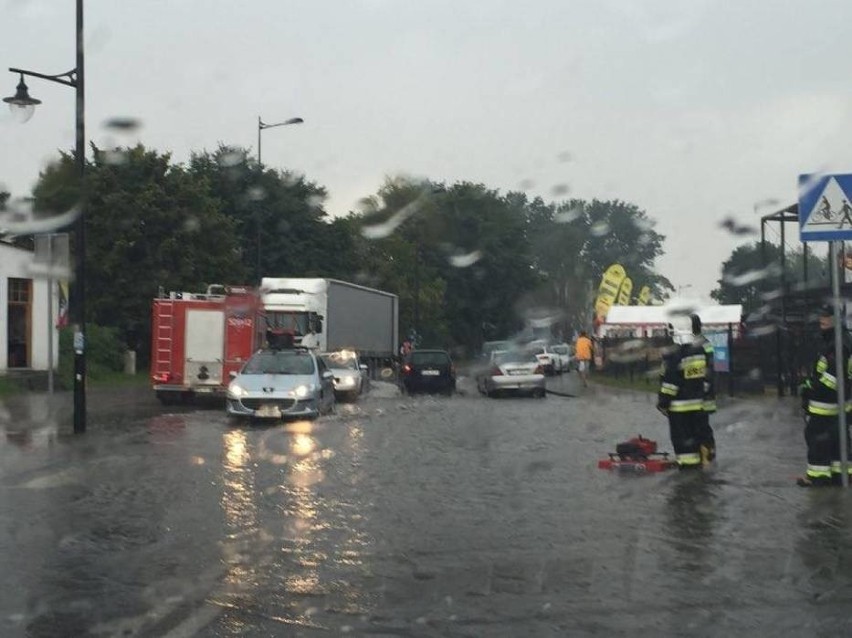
(149, 224)
(751, 276)
(282, 228)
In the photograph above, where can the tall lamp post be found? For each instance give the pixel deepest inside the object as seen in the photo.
(261, 125)
(22, 103)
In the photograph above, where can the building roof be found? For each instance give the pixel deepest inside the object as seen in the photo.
(662, 315)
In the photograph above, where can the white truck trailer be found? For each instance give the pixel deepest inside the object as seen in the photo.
(331, 315)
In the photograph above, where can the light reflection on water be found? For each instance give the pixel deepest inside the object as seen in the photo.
(288, 542)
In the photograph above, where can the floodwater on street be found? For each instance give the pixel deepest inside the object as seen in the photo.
(413, 516)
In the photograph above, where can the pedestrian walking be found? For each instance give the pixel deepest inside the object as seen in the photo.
(681, 399)
(820, 404)
(583, 352)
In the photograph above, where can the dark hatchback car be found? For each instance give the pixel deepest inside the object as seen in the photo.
(429, 371)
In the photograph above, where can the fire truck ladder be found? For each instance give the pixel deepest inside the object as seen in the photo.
(165, 319)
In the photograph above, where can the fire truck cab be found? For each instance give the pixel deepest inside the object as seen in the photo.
(198, 339)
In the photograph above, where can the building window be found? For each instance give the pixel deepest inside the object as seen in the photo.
(19, 290)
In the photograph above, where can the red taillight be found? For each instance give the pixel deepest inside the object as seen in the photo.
(406, 369)
(496, 372)
(162, 377)
(539, 370)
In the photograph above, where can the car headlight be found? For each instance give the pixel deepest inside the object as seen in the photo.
(300, 392)
(347, 382)
(235, 390)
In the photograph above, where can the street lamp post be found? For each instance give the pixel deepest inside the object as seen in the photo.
(75, 78)
(261, 125)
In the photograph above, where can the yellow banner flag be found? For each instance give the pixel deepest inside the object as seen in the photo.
(644, 296)
(608, 290)
(623, 298)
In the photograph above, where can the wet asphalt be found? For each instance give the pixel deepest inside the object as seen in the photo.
(412, 516)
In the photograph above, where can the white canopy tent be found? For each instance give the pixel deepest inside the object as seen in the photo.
(650, 321)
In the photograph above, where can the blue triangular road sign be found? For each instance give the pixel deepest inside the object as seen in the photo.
(825, 207)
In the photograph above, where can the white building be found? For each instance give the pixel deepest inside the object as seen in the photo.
(27, 323)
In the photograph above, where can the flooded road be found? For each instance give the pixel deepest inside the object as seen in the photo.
(413, 516)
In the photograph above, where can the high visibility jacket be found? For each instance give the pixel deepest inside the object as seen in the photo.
(819, 390)
(710, 377)
(682, 379)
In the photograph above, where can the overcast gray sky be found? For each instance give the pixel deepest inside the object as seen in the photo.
(695, 111)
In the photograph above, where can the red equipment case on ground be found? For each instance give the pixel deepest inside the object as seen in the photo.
(197, 340)
(637, 455)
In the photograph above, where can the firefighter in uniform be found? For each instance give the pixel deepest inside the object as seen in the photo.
(707, 443)
(681, 398)
(820, 403)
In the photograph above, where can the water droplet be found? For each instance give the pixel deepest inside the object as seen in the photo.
(568, 216)
(559, 190)
(731, 225)
(230, 159)
(115, 156)
(599, 229)
(316, 201)
(380, 231)
(465, 261)
(526, 184)
(192, 224)
(123, 124)
(256, 193)
(564, 157)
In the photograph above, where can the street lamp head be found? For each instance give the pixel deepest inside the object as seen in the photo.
(294, 120)
(21, 104)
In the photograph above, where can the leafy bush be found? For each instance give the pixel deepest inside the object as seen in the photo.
(104, 353)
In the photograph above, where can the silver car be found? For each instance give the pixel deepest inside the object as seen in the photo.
(351, 378)
(282, 383)
(514, 371)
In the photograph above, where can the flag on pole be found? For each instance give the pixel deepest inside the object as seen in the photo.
(62, 315)
(608, 289)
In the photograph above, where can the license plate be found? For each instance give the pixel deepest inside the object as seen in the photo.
(517, 372)
(203, 390)
(268, 411)
(431, 373)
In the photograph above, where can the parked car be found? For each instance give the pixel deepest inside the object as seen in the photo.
(351, 377)
(429, 371)
(566, 357)
(517, 371)
(281, 383)
(548, 359)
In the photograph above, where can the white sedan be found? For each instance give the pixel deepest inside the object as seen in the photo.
(351, 378)
(516, 372)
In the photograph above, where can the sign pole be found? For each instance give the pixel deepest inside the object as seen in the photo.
(50, 327)
(840, 371)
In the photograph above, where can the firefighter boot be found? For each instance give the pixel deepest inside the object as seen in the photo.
(708, 454)
(817, 481)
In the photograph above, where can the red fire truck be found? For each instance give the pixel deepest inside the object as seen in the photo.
(198, 339)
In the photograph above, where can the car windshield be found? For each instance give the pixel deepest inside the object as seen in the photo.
(336, 361)
(440, 189)
(282, 362)
(430, 358)
(516, 357)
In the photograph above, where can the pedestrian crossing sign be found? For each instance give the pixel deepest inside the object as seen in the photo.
(825, 211)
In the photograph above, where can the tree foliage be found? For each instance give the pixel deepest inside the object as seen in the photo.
(149, 223)
(468, 263)
(751, 276)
